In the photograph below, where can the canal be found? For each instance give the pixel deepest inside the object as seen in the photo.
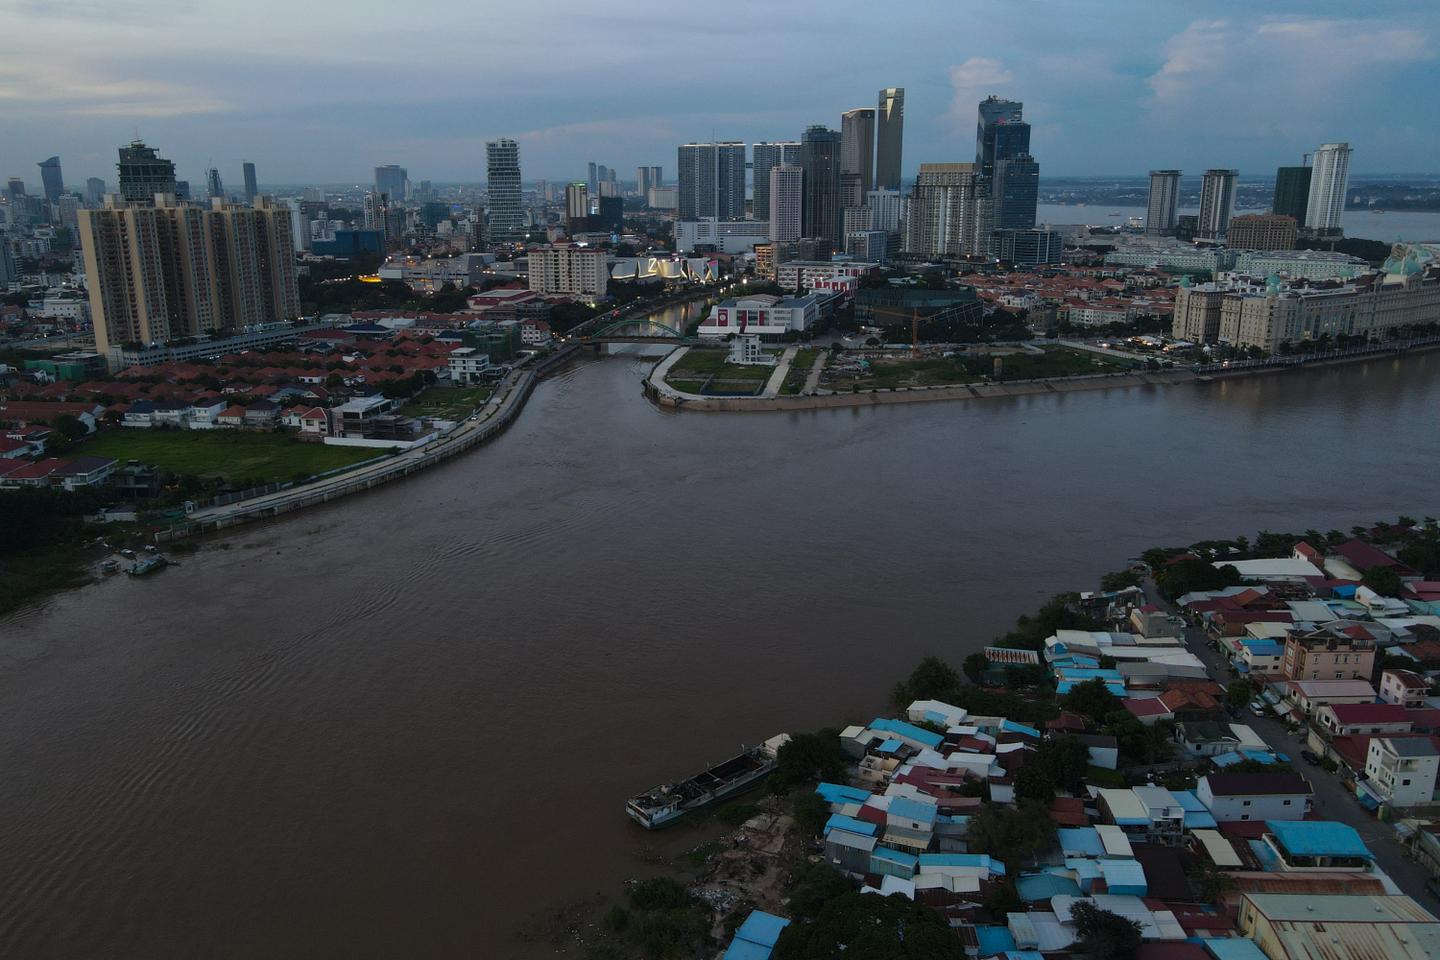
(405, 723)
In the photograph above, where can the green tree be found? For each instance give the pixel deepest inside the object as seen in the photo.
(1383, 580)
(1119, 580)
(1189, 575)
(975, 666)
(70, 425)
(1238, 693)
(810, 811)
(1004, 832)
(1104, 935)
(807, 757)
(866, 927)
(1092, 699)
(932, 679)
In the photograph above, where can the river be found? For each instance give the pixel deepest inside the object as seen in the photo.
(1411, 226)
(405, 723)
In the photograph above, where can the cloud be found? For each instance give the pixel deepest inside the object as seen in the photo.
(1280, 74)
(41, 86)
(972, 81)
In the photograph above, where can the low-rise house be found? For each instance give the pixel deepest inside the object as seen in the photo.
(1405, 687)
(1317, 845)
(1145, 814)
(469, 365)
(1403, 770)
(1308, 696)
(1104, 750)
(1348, 719)
(1206, 738)
(355, 418)
(1148, 710)
(262, 413)
(83, 472)
(1333, 652)
(1283, 795)
(13, 449)
(231, 416)
(32, 474)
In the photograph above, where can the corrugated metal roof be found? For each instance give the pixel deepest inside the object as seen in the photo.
(1221, 853)
(1318, 838)
(1115, 841)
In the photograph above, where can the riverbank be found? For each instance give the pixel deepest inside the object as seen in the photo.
(663, 394)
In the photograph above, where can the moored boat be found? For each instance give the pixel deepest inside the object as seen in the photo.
(671, 801)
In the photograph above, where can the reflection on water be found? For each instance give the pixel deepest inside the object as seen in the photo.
(405, 723)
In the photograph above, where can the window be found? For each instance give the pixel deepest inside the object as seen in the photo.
(1404, 783)
(1245, 804)
(1244, 816)
(1286, 803)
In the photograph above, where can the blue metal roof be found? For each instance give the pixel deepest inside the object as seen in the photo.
(1082, 840)
(994, 940)
(1014, 727)
(1124, 877)
(909, 730)
(838, 821)
(1065, 686)
(1319, 838)
(913, 809)
(1197, 817)
(890, 746)
(1042, 886)
(1237, 756)
(1234, 948)
(747, 950)
(983, 860)
(839, 793)
(1087, 673)
(893, 856)
(762, 928)
(1263, 648)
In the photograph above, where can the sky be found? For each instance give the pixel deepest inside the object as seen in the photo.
(322, 91)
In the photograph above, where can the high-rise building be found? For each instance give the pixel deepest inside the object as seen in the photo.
(1026, 248)
(1329, 180)
(592, 180)
(251, 189)
(566, 269)
(642, 181)
(502, 166)
(712, 181)
(820, 158)
(169, 269)
(990, 143)
(857, 146)
(1292, 193)
(1261, 231)
(786, 192)
(390, 180)
(889, 137)
(602, 173)
(656, 179)
(1217, 203)
(94, 191)
(577, 207)
(51, 181)
(213, 186)
(143, 173)
(886, 209)
(950, 211)
(764, 157)
(1016, 191)
(14, 190)
(1164, 200)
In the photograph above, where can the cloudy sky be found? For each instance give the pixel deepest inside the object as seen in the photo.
(324, 90)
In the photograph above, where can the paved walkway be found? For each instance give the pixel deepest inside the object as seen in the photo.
(812, 382)
(777, 379)
(1110, 352)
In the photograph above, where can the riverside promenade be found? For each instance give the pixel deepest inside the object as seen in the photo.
(499, 412)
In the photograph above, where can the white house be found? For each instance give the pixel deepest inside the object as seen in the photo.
(1403, 769)
(1405, 687)
(1282, 795)
(468, 365)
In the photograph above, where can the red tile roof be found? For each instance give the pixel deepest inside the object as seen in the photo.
(1349, 714)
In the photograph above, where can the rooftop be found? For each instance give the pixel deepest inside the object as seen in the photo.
(1318, 838)
(1280, 783)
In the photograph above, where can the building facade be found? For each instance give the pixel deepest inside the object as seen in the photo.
(712, 181)
(857, 146)
(950, 212)
(568, 270)
(1329, 180)
(1292, 193)
(787, 203)
(889, 137)
(764, 157)
(820, 159)
(502, 185)
(1163, 202)
(1217, 202)
(144, 173)
(1016, 191)
(247, 171)
(1262, 231)
(726, 236)
(1026, 248)
(175, 270)
(1403, 769)
(52, 181)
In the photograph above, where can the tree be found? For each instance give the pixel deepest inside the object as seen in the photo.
(1104, 935)
(975, 666)
(70, 425)
(1092, 699)
(1238, 693)
(1383, 580)
(1119, 580)
(1191, 574)
(807, 757)
(1024, 829)
(811, 811)
(863, 926)
(932, 679)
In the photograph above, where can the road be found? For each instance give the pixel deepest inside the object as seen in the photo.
(1331, 800)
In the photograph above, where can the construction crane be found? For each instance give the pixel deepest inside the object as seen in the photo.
(914, 315)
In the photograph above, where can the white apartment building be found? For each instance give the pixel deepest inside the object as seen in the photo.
(809, 273)
(468, 365)
(568, 270)
(1405, 687)
(1403, 769)
(726, 236)
(764, 315)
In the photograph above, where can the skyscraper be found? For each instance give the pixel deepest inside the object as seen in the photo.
(502, 182)
(251, 189)
(94, 191)
(577, 207)
(14, 190)
(655, 178)
(712, 181)
(390, 180)
(857, 146)
(591, 180)
(1329, 178)
(764, 157)
(1217, 203)
(1016, 191)
(889, 137)
(820, 158)
(950, 211)
(1164, 198)
(160, 271)
(51, 180)
(642, 181)
(886, 207)
(1292, 192)
(143, 173)
(786, 191)
(1000, 132)
(213, 186)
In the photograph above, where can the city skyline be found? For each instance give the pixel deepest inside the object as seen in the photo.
(1177, 91)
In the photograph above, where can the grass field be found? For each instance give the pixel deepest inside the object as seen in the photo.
(699, 364)
(934, 371)
(453, 404)
(227, 454)
(800, 368)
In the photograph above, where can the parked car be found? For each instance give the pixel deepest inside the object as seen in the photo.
(1310, 757)
(1257, 707)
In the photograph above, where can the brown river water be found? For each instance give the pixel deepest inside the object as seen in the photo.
(405, 723)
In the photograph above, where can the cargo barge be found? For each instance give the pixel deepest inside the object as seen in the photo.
(671, 801)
